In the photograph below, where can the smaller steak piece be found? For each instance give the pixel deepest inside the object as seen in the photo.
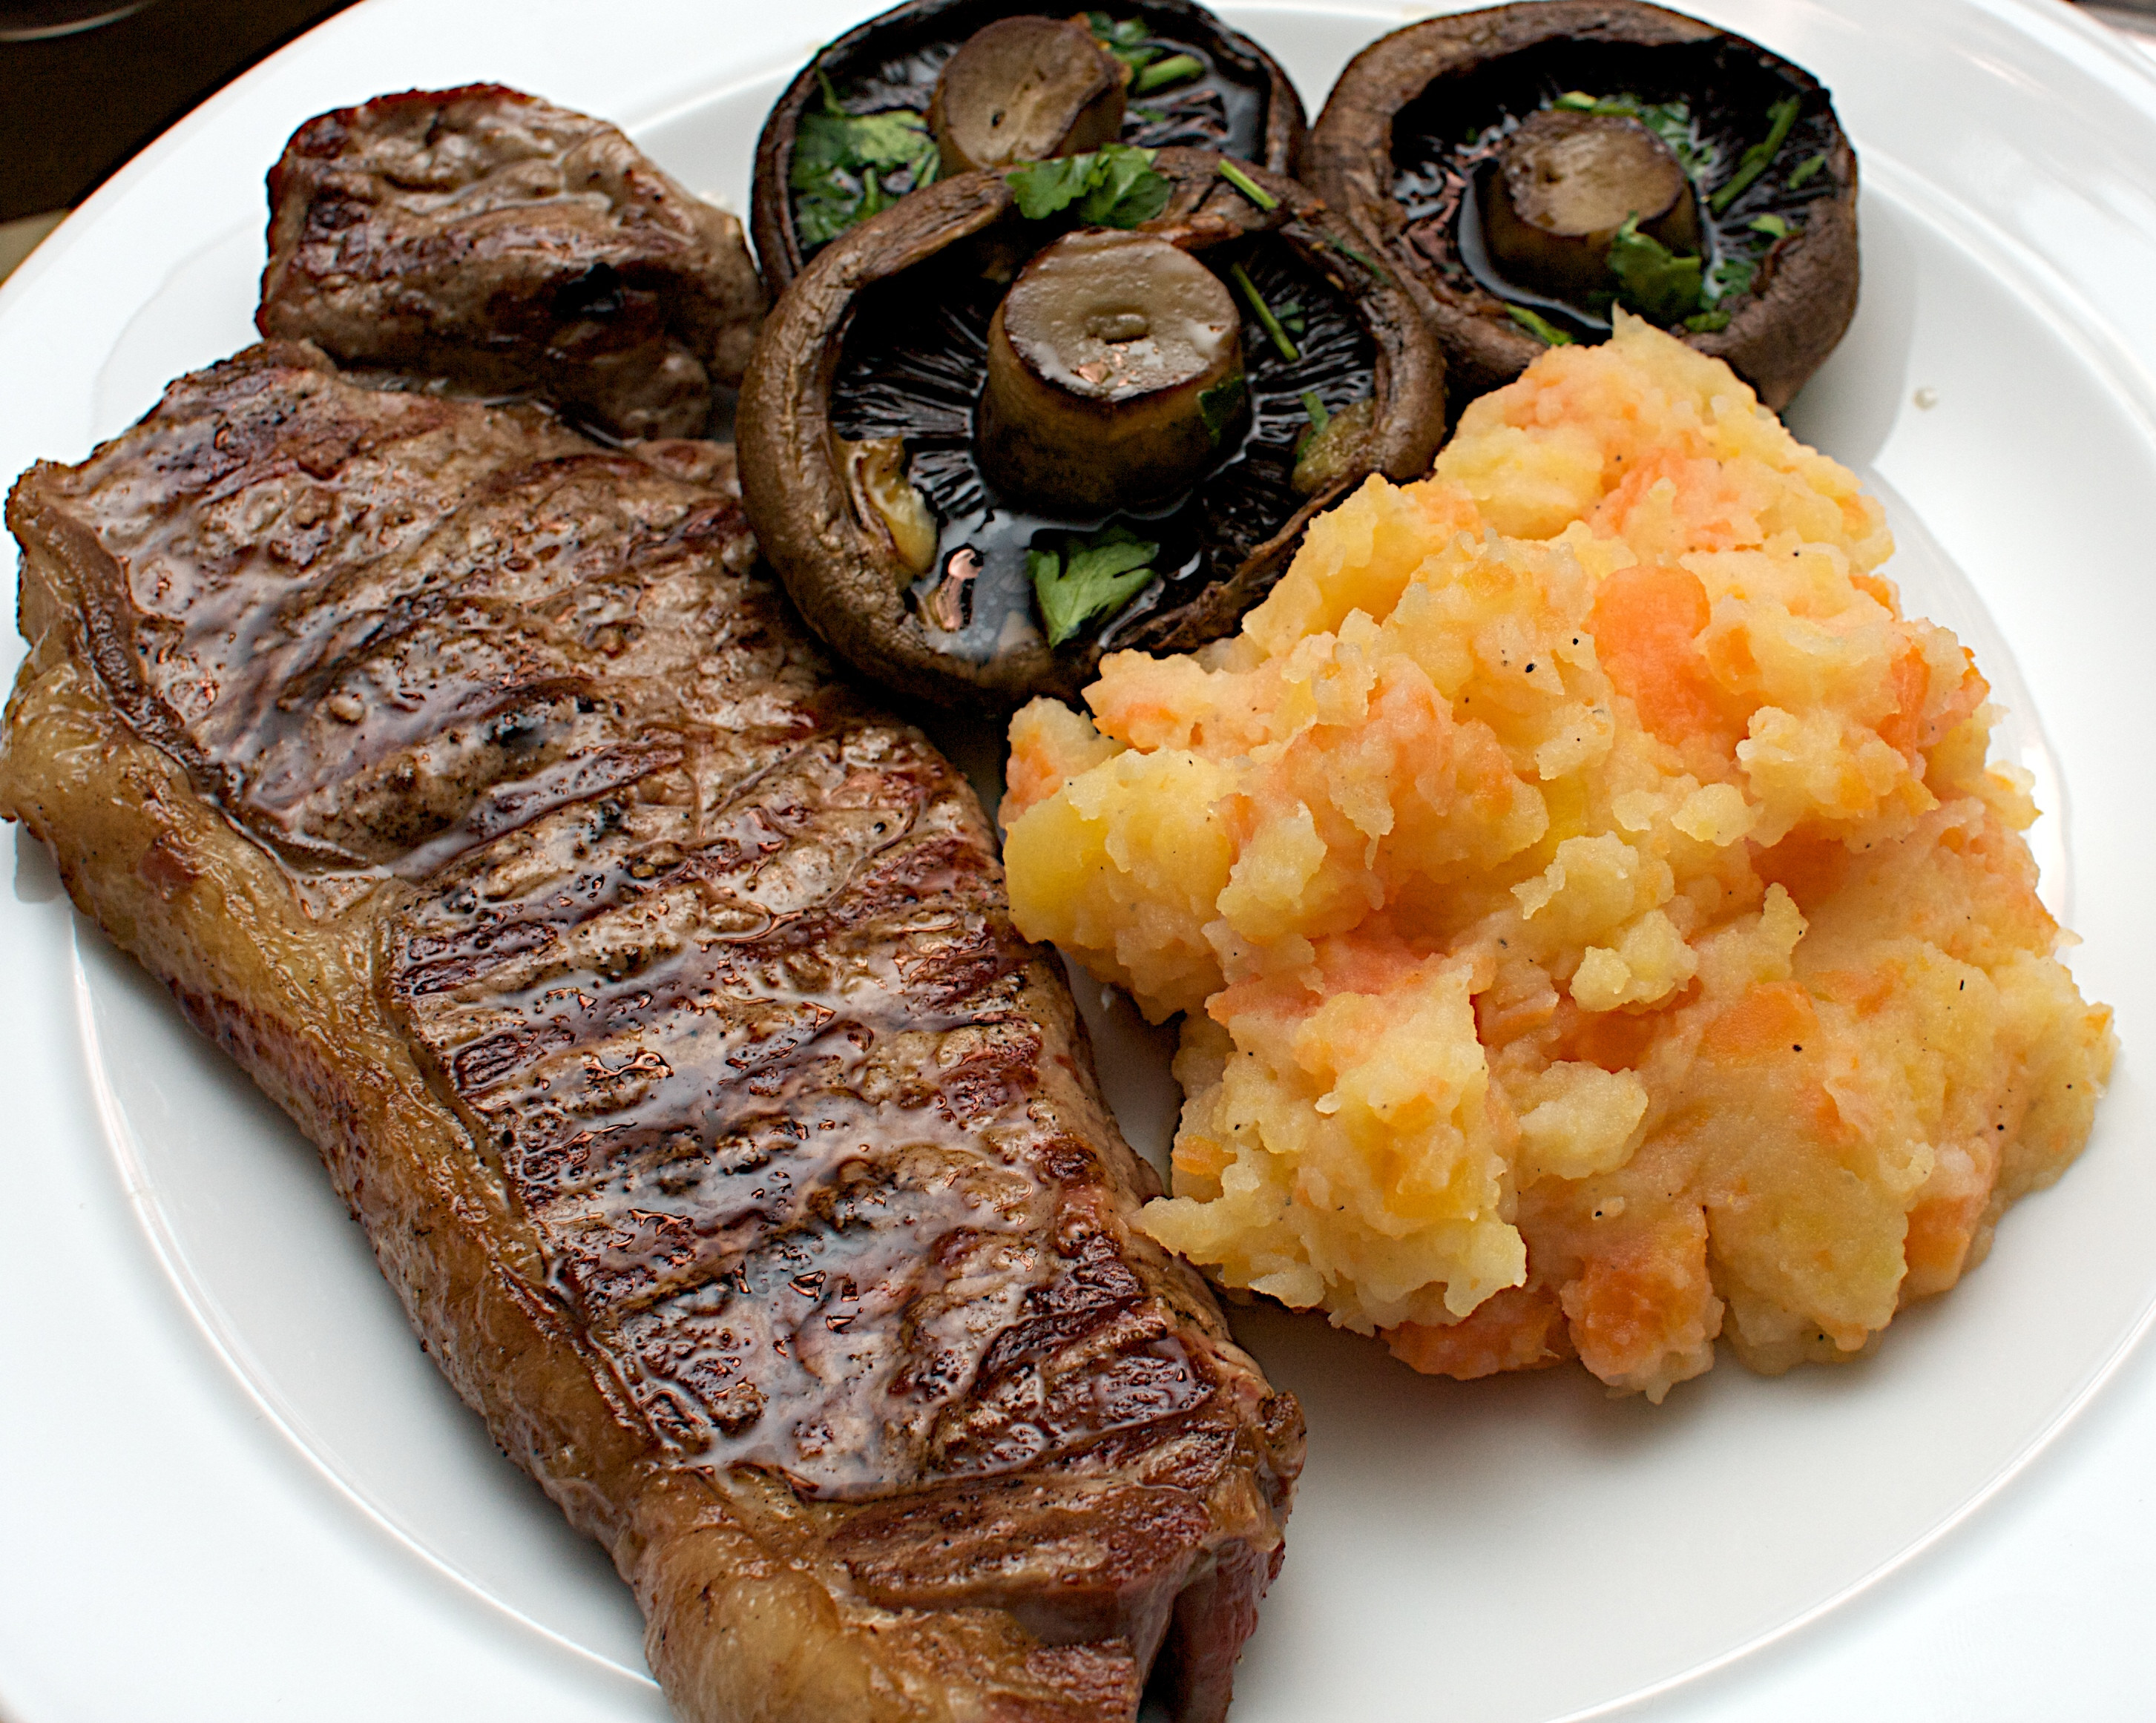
(509, 247)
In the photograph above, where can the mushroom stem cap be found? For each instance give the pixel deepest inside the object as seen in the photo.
(1111, 362)
(1025, 89)
(1564, 185)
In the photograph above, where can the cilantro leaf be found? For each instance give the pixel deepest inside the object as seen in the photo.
(1043, 187)
(1218, 405)
(842, 163)
(1728, 278)
(1126, 191)
(1123, 38)
(1651, 278)
(1113, 187)
(1095, 577)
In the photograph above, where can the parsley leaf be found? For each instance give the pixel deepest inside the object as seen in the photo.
(1125, 190)
(1218, 405)
(1043, 187)
(1113, 187)
(1652, 280)
(1730, 278)
(1095, 577)
(842, 163)
(1123, 38)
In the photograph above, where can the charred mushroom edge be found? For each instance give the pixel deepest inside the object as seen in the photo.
(844, 576)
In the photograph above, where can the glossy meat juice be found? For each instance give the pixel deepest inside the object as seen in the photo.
(654, 1003)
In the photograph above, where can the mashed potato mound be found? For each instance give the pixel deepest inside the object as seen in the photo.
(1597, 926)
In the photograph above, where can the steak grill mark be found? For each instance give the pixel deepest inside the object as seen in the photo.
(794, 1145)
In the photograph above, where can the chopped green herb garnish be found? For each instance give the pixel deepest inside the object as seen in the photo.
(1706, 322)
(1126, 38)
(1670, 122)
(1651, 278)
(1113, 187)
(1126, 190)
(1755, 161)
(1218, 405)
(842, 162)
(1173, 69)
(1282, 344)
(1728, 278)
(1151, 117)
(1092, 578)
(1315, 408)
(1045, 186)
(1370, 264)
(1773, 226)
(1543, 330)
(1248, 187)
(1803, 171)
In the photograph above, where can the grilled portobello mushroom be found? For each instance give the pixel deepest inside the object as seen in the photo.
(1527, 167)
(981, 447)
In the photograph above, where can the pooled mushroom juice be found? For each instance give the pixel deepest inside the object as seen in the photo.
(1610, 176)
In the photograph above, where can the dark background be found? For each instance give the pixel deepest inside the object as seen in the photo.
(79, 97)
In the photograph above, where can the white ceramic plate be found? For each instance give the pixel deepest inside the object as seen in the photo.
(231, 1486)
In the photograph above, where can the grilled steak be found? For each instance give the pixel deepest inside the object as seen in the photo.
(508, 246)
(654, 1004)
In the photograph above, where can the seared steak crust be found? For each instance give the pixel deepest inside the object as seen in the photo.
(509, 246)
(654, 1003)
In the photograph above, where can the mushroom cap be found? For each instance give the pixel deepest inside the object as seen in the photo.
(932, 30)
(1805, 291)
(845, 577)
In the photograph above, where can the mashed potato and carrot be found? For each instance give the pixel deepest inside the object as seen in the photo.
(1598, 926)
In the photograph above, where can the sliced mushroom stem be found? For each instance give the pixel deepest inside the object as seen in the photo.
(1114, 370)
(1024, 89)
(883, 500)
(1566, 182)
